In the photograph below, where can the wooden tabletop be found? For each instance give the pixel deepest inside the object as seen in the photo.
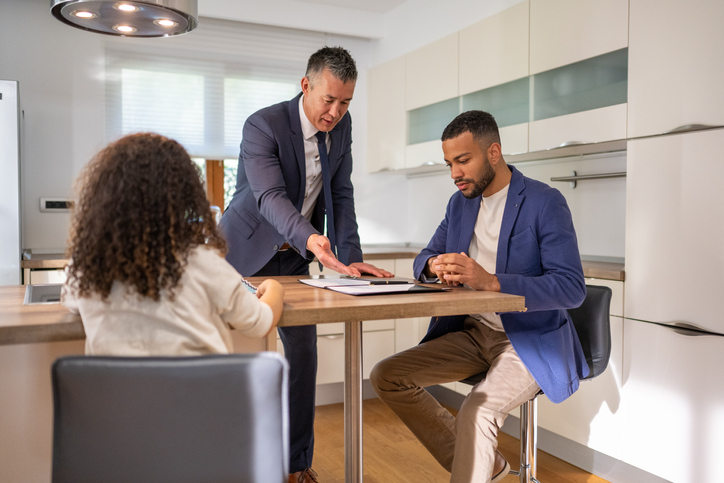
(22, 324)
(303, 305)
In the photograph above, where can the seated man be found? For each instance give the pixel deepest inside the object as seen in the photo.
(506, 233)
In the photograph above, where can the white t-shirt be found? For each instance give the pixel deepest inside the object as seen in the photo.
(313, 182)
(484, 245)
(210, 300)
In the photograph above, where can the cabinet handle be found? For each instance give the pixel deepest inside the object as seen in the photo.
(578, 177)
(332, 337)
(686, 329)
(567, 144)
(691, 127)
(689, 330)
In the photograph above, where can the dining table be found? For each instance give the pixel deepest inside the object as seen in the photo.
(303, 305)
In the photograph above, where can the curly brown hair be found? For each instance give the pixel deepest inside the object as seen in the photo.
(141, 208)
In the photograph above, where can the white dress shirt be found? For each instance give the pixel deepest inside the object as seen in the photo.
(313, 183)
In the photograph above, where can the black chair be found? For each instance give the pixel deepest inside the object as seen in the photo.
(592, 324)
(206, 419)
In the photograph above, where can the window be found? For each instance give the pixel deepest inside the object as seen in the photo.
(200, 88)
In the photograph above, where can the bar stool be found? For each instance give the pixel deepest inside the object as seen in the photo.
(593, 327)
(205, 419)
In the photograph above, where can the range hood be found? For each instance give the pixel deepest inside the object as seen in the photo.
(134, 18)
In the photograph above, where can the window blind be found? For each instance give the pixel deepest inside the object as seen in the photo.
(199, 88)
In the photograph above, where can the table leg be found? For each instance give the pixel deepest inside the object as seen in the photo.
(270, 341)
(353, 402)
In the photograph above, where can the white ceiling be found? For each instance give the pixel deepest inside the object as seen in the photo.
(357, 18)
(379, 6)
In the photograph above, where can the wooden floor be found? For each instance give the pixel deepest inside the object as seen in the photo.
(393, 455)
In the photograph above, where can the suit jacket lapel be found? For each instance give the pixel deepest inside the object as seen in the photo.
(296, 138)
(470, 217)
(510, 214)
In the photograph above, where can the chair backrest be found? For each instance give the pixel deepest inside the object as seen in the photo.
(207, 419)
(593, 326)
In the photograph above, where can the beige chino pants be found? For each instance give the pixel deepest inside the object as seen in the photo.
(465, 445)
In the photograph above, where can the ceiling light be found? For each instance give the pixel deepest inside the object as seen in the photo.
(126, 7)
(164, 22)
(126, 29)
(83, 14)
(144, 18)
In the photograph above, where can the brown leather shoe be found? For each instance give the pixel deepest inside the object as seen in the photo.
(307, 475)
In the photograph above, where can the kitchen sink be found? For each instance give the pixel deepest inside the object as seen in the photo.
(42, 294)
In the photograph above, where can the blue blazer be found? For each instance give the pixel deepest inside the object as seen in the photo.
(265, 209)
(537, 258)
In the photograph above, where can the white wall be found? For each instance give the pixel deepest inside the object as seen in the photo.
(61, 93)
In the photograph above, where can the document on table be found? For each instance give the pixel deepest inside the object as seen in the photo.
(365, 286)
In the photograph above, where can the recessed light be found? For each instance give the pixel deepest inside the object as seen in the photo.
(126, 29)
(126, 7)
(164, 22)
(84, 14)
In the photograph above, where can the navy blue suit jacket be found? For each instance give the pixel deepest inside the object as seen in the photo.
(537, 258)
(265, 209)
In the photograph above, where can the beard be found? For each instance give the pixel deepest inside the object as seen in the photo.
(479, 185)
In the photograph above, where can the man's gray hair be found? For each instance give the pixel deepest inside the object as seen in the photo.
(338, 60)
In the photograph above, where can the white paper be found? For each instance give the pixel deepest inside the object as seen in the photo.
(328, 282)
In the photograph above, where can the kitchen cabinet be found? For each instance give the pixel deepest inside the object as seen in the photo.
(673, 396)
(495, 50)
(583, 102)
(595, 125)
(387, 116)
(431, 73)
(672, 402)
(428, 153)
(675, 65)
(675, 229)
(567, 31)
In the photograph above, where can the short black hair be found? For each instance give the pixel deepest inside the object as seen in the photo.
(480, 124)
(337, 59)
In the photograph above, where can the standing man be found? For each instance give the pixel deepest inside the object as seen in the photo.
(294, 172)
(502, 232)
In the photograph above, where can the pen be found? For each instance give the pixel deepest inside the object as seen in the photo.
(388, 282)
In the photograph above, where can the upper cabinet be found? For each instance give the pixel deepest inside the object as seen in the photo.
(495, 50)
(431, 74)
(675, 65)
(494, 73)
(580, 103)
(386, 129)
(567, 31)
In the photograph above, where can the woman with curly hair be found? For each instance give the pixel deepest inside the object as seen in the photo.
(147, 271)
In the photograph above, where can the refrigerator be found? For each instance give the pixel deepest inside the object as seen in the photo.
(672, 397)
(10, 230)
